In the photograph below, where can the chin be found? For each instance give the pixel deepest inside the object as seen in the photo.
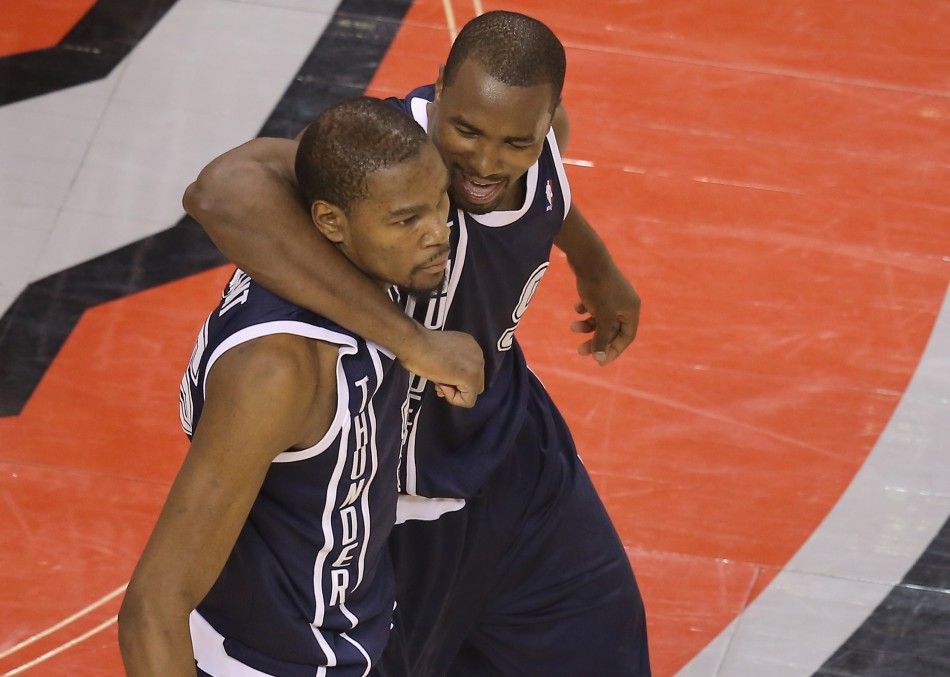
(461, 202)
(479, 209)
(426, 290)
(476, 209)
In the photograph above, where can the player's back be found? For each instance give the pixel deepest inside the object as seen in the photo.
(309, 582)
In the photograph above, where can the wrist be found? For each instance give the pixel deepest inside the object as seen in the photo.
(409, 340)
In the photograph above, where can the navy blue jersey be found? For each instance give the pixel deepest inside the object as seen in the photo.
(498, 260)
(309, 584)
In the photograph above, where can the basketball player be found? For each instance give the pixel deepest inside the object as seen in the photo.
(271, 545)
(506, 560)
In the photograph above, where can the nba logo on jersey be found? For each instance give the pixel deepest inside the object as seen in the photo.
(549, 194)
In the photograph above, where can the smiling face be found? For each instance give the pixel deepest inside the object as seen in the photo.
(488, 134)
(397, 233)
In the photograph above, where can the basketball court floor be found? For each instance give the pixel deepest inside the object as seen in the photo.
(773, 176)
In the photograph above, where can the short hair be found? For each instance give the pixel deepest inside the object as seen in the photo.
(347, 142)
(513, 48)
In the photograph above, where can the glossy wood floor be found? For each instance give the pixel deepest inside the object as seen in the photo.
(774, 449)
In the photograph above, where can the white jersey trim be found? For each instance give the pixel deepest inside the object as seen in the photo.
(425, 509)
(411, 455)
(561, 173)
(328, 543)
(409, 310)
(390, 355)
(456, 265)
(208, 647)
(359, 648)
(347, 347)
(374, 351)
(496, 219)
(364, 499)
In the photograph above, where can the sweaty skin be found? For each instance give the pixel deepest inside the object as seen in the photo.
(269, 395)
(488, 134)
(264, 397)
(248, 203)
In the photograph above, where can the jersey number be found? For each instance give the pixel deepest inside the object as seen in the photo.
(530, 287)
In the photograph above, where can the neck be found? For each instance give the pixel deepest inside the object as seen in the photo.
(514, 196)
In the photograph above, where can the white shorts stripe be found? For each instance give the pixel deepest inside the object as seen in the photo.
(425, 509)
(210, 654)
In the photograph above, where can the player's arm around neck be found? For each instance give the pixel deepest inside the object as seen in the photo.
(248, 203)
(262, 399)
(609, 302)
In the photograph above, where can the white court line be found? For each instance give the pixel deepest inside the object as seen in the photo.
(450, 19)
(66, 621)
(862, 549)
(479, 10)
(62, 647)
(681, 406)
(577, 163)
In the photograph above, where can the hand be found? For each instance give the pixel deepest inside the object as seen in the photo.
(612, 306)
(453, 361)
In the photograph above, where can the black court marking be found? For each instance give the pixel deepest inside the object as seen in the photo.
(34, 328)
(907, 634)
(97, 43)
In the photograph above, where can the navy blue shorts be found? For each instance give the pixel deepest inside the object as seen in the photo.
(529, 578)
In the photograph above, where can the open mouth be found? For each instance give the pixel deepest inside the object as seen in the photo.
(478, 191)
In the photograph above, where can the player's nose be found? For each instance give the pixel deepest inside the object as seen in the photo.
(486, 162)
(436, 230)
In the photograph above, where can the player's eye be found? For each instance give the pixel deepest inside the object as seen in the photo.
(408, 221)
(467, 133)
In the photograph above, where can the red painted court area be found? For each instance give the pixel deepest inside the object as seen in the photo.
(37, 24)
(772, 176)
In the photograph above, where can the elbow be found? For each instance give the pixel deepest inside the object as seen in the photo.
(221, 190)
(195, 200)
(131, 621)
(207, 196)
(142, 615)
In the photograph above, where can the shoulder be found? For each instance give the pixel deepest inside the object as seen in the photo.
(275, 368)
(280, 388)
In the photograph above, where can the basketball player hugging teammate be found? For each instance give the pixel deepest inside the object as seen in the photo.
(506, 560)
(269, 556)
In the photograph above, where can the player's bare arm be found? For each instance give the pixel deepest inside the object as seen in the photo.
(248, 203)
(609, 303)
(263, 398)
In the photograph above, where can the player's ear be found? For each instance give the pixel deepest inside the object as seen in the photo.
(438, 83)
(329, 220)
